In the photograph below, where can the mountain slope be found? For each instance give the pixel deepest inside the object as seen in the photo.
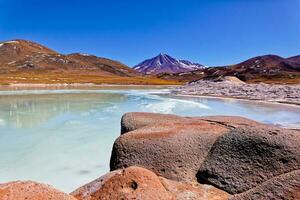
(266, 68)
(24, 61)
(20, 55)
(295, 60)
(166, 64)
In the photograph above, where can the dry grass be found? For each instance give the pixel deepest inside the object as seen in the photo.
(277, 80)
(60, 78)
(55, 77)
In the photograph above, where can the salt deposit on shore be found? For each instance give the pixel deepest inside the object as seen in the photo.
(261, 91)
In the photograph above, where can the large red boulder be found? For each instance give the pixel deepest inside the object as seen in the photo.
(130, 183)
(174, 150)
(135, 120)
(234, 154)
(248, 156)
(28, 190)
(142, 184)
(171, 146)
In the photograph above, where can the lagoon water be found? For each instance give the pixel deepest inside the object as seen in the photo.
(64, 137)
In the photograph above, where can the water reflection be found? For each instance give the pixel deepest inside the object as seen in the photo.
(270, 113)
(30, 111)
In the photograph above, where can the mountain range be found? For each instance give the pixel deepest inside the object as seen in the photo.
(261, 68)
(21, 55)
(23, 61)
(164, 63)
(266, 68)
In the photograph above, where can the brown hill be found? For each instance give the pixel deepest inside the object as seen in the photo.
(295, 60)
(267, 68)
(24, 61)
(21, 55)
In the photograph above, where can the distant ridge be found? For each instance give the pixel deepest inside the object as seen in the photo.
(266, 65)
(23, 61)
(164, 63)
(266, 68)
(20, 55)
(294, 59)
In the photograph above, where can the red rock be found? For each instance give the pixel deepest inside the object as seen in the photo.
(183, 191)
(174, 150)
(135, 120)
(234, 154)
(234, 121)
(285, 187)
(142, 184)
(28, 190)
(250, 155)
(130, 183)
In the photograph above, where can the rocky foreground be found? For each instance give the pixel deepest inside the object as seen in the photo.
(166, 157)
(239, 89)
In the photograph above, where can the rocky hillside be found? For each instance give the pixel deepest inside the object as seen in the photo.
(267, 68)
(164, 63)
(261, 66)
(26, 61)
(295, 60)
(20, 55)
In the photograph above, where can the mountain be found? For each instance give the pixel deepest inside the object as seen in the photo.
(22, 55)
(25, 61)
(295, 60)
(269, 64)
(164, 63)
(266, 68)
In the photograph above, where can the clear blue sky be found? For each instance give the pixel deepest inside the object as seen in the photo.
(212, 32)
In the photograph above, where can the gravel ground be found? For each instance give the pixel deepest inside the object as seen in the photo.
(261, 91)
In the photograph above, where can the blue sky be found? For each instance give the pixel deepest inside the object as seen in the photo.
(212, 32)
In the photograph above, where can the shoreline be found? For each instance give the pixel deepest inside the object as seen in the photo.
(241, 99)
(259, 92)
(269, 103)
(80, 86)
(83, 86)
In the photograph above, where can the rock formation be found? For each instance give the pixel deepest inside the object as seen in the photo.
(286, 186)
(249, 156)
(23, 190)
(231, 153)
(139, 183)
(168, 157)
(172, 150)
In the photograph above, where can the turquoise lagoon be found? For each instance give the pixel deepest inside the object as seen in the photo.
(64, 137)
